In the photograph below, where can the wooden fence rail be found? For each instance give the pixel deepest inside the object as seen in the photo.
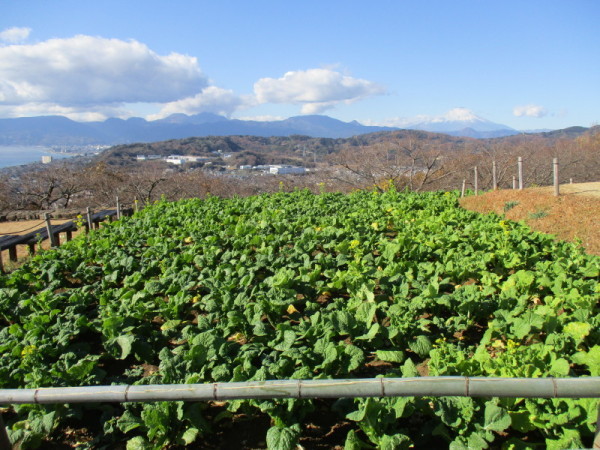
(32, 238)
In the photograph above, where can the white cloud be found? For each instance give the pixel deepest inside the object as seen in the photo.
(14, 35)
(85, 72)
(455, 114)
(315, 89)
(265, 118)
(211, 99)
(84, 113)
(530, 111)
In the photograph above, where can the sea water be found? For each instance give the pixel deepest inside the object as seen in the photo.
(17, 155)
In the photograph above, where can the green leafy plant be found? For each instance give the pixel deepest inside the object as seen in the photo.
(540, 214)
(301, 286)
(510, 205)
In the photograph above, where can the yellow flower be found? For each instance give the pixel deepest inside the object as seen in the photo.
(28, 349)
(375, 226)
(498, 344)
(354, 243)
(291, 309)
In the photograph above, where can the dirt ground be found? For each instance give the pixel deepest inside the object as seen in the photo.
(24, 227)
(580, 189)
(572, 216)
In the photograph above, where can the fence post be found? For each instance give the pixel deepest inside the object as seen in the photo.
(476, 181)
(596, 443)
(464, 186)
(88, 215)
(118, 209)
(555, 172)
(514, 183)
(520, 167)
(494, 178)
(4, 441)
(51, 236)
(1, 264)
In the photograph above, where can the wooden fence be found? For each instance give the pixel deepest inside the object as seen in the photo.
(52, 232)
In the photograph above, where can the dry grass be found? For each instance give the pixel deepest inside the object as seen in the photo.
(24, 227)
(573, 216)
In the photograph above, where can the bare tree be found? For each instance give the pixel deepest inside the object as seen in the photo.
(407, 163)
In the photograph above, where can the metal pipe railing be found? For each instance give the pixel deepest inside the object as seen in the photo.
(372, 387)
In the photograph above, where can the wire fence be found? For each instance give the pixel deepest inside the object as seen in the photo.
(23, 231)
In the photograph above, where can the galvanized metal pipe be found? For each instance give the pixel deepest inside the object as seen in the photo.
(373, 387)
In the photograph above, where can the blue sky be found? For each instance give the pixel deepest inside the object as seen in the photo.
(528, 65)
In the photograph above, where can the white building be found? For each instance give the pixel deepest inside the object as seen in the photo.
(173, 159)
(286, 170)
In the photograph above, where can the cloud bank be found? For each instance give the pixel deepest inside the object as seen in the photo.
(211, 99)
(14, 35)
(316, 90)
(92, 78)
(86, 70)
(530, 111)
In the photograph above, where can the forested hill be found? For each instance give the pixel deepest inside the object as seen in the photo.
(261, 150)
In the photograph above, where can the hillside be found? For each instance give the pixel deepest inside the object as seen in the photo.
(571, 217)
(262, 150)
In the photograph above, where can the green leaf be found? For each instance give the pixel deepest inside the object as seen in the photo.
(577, 330)
(353, 442)
(125, 341)
(591, 359)
(496, 418)
(138, 443)
(283, 438)
(409, 370)
(421, 345)
(128, 421)
(189, 436)
(560, 367)
(390, 355)
(357, 357)
(569, 439)
(454, 411)
(44, 424)
(395, 442)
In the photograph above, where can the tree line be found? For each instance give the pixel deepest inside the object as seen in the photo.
(410, 160)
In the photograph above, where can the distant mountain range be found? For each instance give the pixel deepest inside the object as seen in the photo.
(461, 122)
(59, 130)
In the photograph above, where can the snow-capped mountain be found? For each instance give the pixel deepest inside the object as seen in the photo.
(460, 122)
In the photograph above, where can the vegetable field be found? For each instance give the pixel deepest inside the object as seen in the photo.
(303, 286)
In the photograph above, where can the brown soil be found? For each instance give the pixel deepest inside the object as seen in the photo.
(573, 216)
